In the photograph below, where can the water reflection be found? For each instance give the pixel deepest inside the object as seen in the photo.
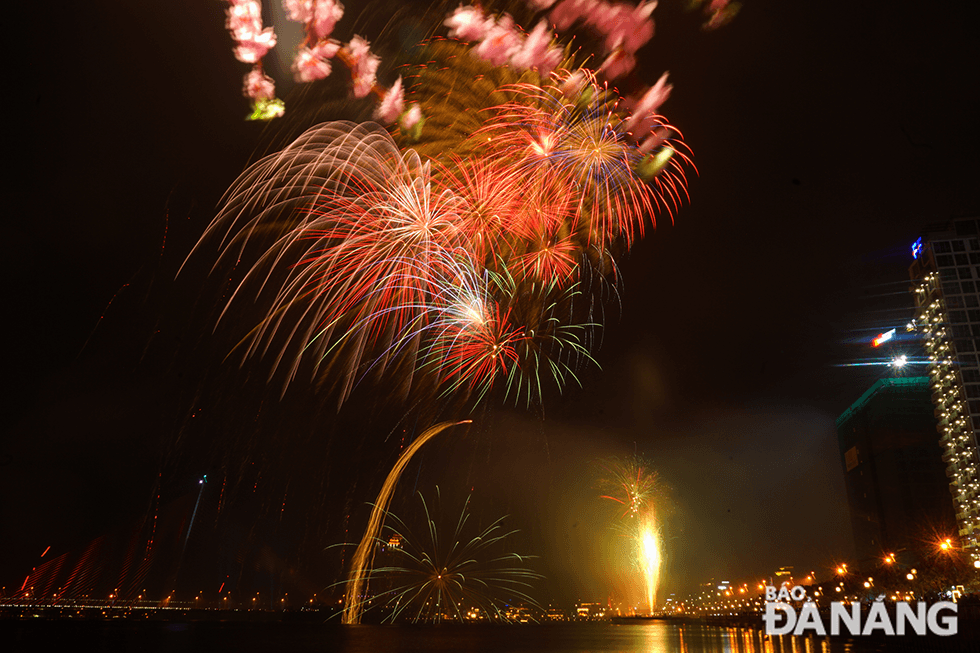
(667, 638)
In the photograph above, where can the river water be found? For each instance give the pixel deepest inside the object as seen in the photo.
(215, 637)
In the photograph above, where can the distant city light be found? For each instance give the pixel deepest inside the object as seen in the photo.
(884, 337)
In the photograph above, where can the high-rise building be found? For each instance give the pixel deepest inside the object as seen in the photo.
(945, 279)
(893, 472)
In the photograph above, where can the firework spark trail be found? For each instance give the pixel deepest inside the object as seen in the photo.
(634, 487)
(649, 543)
(435, 572)
(363, 556)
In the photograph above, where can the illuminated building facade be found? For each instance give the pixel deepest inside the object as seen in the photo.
(893, 472)
(945, 279)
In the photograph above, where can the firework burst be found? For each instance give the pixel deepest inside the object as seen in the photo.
(640, 502)
(478, 258)
(450, 569)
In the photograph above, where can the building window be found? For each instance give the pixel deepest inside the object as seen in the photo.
(959, 246)
(957, 317)
(944, 260)
(969, 287)
(965, 273)
(962, 259)
(966, 227)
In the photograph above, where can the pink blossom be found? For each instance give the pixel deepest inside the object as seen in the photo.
(605, 17)
(722, 12)
(541, 5)
(537, 51)
(252, 49)
(648, 104)
(654, 140)
(392, 105)
(300, 11)
(259, 85)
(468, 24)
(569, 11)
(500, 43)
(365, 75)
(574, 84)
(631, 29)
(618, 64)
(411, 118)
(654, 97)
(244, 19)
(326, 49)
(326, 13)
(358, 48)
(363, 65)
(308, 67)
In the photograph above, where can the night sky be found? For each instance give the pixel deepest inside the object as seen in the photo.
(826, 135)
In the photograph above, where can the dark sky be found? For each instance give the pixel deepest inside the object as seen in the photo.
(825, 134)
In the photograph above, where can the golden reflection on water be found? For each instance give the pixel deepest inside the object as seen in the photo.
(672, 638)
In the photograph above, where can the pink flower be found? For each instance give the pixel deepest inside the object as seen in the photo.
(308, 67)
(244, 19)
(392, 105)
(300, 11)
(252, 49)
(618, 64)
(259, 85)
(366, 77)
(648, 104)
(326, 49)
(411, 117)
(536, 51)
(722, 12)
(411, 121)
(468, 24)
(363, 64)
(605, 17)
(541, 5)
(326, 13)
(569, 11)
(631, 29)
(500, 43)
(358, 48)
(654, 140)
(574, 84)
